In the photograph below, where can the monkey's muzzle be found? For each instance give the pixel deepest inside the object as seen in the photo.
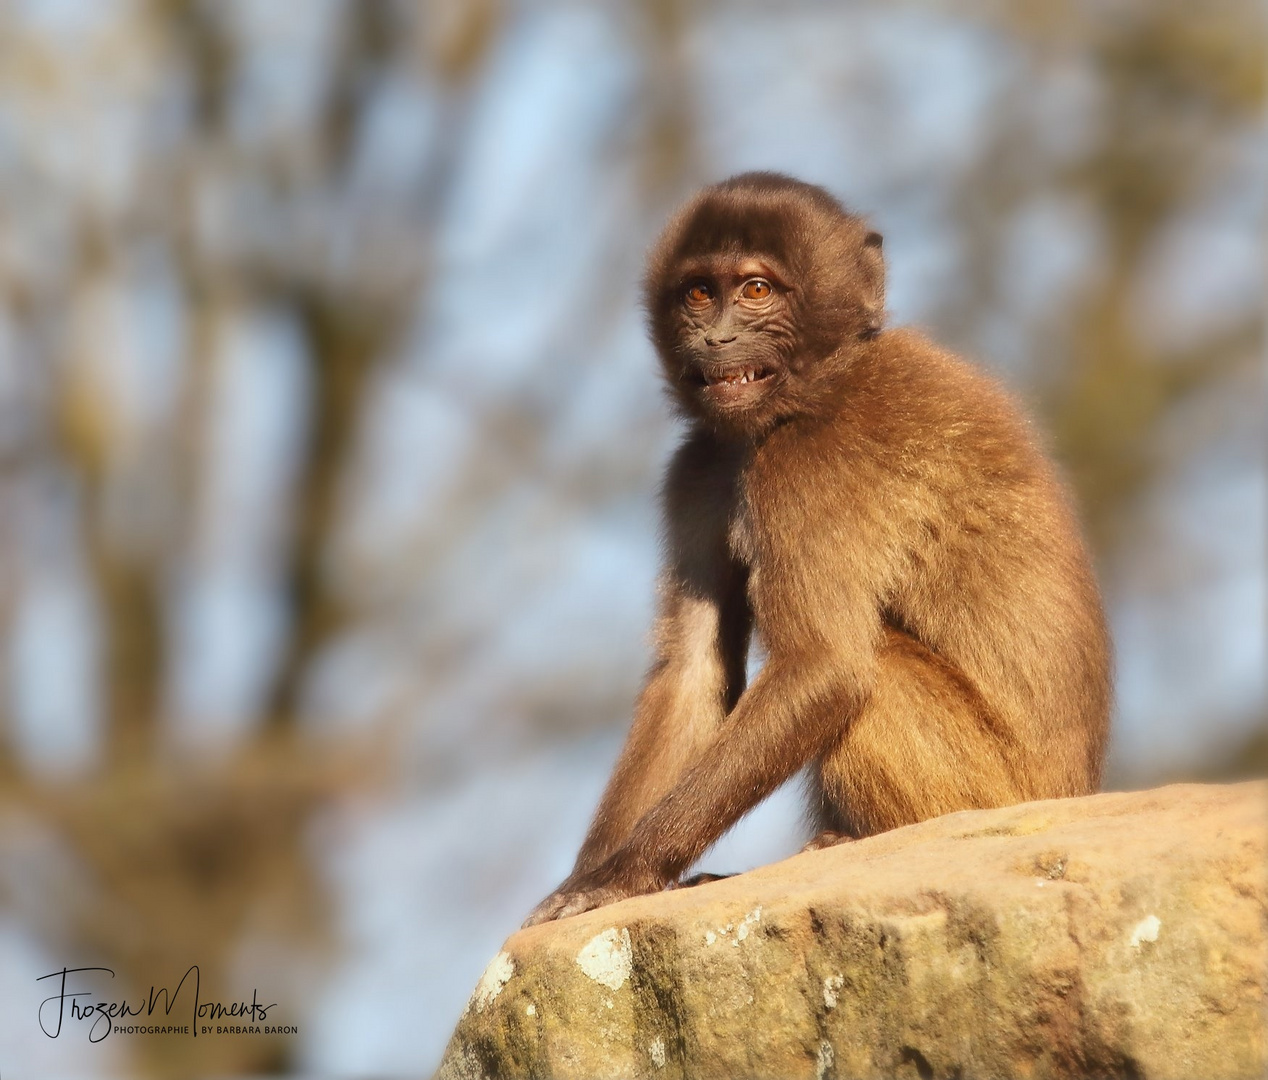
(736, 385)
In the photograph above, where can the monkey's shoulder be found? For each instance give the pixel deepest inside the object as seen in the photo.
(914, 384)
(916, 435)
(915, 412)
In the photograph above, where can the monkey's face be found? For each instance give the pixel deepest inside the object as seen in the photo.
(757, 293)
(734, 332)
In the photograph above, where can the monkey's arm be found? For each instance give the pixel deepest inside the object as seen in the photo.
(792, 713)
(702, 635)
(701, 640)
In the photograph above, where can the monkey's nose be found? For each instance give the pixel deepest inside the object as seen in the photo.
(717, 339)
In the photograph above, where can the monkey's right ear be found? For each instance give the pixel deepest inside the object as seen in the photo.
(874, 276)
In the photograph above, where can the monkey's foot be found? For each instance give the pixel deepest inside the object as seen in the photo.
(699, 879)
(827, 838)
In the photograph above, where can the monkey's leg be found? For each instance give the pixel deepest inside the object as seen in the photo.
(830, 825)
(924, 744)
(683, 703)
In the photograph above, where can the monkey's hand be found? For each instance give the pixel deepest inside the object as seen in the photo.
(585, 892)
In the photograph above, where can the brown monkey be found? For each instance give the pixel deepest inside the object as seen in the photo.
(880, 514)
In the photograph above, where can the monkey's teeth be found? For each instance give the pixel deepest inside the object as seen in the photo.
(734, 380)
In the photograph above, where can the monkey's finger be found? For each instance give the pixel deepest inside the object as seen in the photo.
(601, 896)
(546, 911)
(581, 902)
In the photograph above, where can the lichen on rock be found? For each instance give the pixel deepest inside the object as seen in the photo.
(495, 976)
(606, 958)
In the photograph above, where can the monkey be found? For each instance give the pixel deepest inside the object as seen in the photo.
(882, 517)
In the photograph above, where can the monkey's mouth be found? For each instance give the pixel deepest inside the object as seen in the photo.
(732, 384)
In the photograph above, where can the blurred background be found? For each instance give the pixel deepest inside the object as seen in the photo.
(329, 440)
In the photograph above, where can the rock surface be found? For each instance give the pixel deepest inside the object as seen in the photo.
(1120, 935)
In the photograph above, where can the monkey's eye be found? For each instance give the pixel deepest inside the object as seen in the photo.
(699, 294)
(756, 289)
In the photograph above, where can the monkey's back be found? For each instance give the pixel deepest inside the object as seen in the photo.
(930, 483)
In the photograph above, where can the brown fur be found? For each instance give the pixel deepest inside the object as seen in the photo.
(881, 514)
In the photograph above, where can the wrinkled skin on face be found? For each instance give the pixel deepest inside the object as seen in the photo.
(755, 293)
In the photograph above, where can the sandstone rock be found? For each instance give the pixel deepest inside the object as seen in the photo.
(1120, 935)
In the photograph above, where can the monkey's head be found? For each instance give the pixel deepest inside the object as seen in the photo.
(758, 292)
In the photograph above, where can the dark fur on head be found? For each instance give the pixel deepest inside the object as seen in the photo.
(829, 293)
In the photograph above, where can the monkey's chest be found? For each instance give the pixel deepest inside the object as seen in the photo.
(740, 539)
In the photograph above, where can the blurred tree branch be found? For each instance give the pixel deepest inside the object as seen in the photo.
(1174, 79)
